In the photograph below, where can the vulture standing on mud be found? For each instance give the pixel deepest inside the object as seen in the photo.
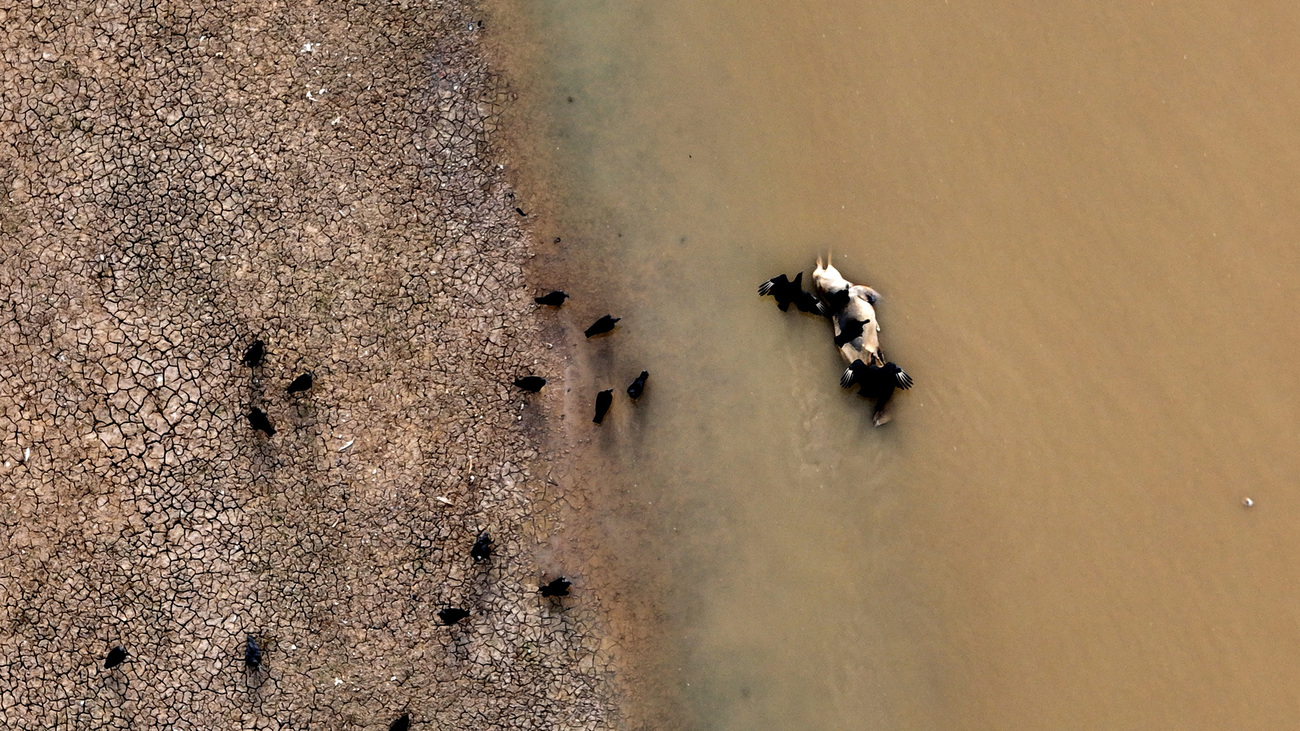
(252, 654)
(255, 353)
(553, 299)
(557, 587)
(301, 383)
(259, 421)
(638, 386)
(452, 615)
(601, 326)
(482, 549)
(531, 384)
(116, 656)
(604, 400)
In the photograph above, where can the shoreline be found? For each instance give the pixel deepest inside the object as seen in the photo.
(325, 178)
(609, 535)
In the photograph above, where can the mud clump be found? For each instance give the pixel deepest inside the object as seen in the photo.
(178, 182)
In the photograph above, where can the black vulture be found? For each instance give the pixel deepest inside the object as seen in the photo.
(557, 587)
(849, 331)
(301, 383)
(252, 654)
(452, 615)
(255, 354)
(258, 420)
(603, 401)
(601, 326)
(877, 383)
(531, 384)
(482, 549)
(116, 656)
(552, 299)
(782, 289)
(638, 386)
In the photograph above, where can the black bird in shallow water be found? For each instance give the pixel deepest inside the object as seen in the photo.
(788, 292)
(301, 383)
(782, 289)
(808, 302)
(255, 353)
(452, 615)
(552, 299)
(638, 385)
(257, 419)
(403, 723)
(116, 656)
(602, 326)
(557, 587)
(252, 654)
(850, 330)
(877, 382)
(482, 549)
(531, 384)
(603, 401)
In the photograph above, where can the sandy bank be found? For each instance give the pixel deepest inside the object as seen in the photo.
(176, 181)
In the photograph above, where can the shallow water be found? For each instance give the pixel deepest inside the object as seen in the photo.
(1083, 224)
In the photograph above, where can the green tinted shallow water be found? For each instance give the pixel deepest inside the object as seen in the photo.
(1082, 220)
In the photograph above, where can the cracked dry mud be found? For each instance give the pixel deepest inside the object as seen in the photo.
(177, 180)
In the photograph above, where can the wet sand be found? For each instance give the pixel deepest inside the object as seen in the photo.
(177, 181)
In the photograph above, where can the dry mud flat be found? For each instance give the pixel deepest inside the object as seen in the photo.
(177, 180)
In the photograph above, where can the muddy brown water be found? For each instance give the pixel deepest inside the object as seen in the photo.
(1083, 221)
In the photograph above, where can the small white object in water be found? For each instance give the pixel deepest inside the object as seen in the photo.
(1247, 502)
